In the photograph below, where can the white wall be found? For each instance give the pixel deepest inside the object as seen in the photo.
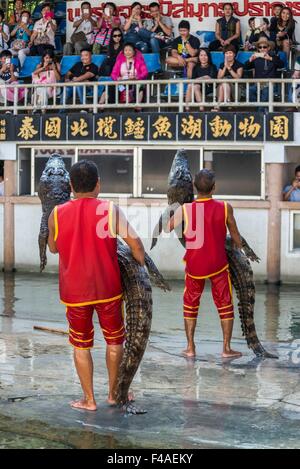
(167, 254)
(290, 261)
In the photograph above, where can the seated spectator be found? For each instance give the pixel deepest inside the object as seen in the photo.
(184, 50)
(228, 30)
(108, 21)
(160, 26)
(1, 182)
(291, 193)
(114, 48)
(83, 26)
(4, 32)
(47, 72)
(231, 69)
(43, 36)
(16, 14)
(276, 9)
(21, 35)
(9, 74)
(130, 65)
(265, 64)
(294, 92)
(82, 71)
(255, 33)
(204, 70)
(285, 30)
(134, 30)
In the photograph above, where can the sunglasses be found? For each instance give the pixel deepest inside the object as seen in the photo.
(117, 35)
(263, 47)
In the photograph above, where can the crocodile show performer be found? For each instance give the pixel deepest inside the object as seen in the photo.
(205, 227)
(83, 231)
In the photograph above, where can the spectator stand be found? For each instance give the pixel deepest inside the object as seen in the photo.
(60, 15)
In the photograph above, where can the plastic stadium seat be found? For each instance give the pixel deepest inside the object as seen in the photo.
(60, 9)
(15, 61)
(283, 57)
(67, 63)
(101, 87)
(217, 58)
(98, 59)
(37, 12)
(153, 62)
(206, 37)
(62, 27)
(58, 44)
(174, 90)
(29, 66)
(243, 56)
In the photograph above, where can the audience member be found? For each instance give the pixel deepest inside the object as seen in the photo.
(228, 30)
(47, 72)
(256, 32)
(231, 69)
(294, 92)
(135, 33)
(9, 74)
(184, 50)
(108, 21)
(4, 32)
(285, 30)
(291, 193)
(276, 10)
(16, 14)
(43, 36)
(204, 70)
(21, 35)
(114, 48)
(160, 26)
(84, 27)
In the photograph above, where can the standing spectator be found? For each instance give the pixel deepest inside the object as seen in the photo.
(249, 38)
(1, 181)
(82, 36)
(291, 193)
(108, 21)
(293, 96)
(43, 36)
(231, 69)
(47, 72)
(4, 32)
(285, 30)
(114, 48)
(204, 70)
(9, 74)
(130, 65)
(228, 30)
(160, 26)
(15, 16)
(82, 71)
(276, 9)
(184, 50)
(21, 35)
(135, 33)
(265, 64)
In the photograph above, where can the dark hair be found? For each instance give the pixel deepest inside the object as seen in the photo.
(135, 4)
(184, 25)
(251, 19)
(229, 48)
(277, 5)
(5, 53)
(266, 21)
(111, 42)
(2, 14)
(49, 52)
(44, 5)
(86, 49)
(86, 3)
(129, 44)
(84, 176)
(208, 55)
(297, 170)
(226, 5)
(110, 4)
(291, 21)
(1, 169)
(154, 5)
(27, 12)
(204, 181)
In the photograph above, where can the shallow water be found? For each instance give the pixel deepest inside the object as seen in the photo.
(259, 401)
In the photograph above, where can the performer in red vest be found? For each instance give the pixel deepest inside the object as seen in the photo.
(205, 226)
(83, 231)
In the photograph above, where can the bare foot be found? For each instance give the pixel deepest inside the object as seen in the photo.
(111, 401)
(189, 353)
(84, 404)
(231, 354)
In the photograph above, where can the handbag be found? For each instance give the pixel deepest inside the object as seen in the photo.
(78, 37)
(103, 37)
(18, 44)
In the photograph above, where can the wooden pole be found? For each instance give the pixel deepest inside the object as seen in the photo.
(274, 189)
(9, 220)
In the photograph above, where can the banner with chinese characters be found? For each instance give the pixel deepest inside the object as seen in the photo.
(149, 127)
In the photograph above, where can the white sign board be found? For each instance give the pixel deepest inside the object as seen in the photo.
(201, 14)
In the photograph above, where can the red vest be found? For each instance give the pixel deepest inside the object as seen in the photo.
(205, 235)
(88, 266)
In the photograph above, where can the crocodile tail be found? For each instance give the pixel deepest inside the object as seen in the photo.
(163, 222)
(156, 277)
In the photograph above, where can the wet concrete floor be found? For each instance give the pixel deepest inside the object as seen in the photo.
(207, 402)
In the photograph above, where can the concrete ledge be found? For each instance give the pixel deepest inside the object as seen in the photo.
(289, 205)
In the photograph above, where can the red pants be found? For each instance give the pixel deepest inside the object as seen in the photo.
(81, 328)
(221, 291)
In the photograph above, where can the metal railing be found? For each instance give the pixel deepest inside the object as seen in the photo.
(158, 95)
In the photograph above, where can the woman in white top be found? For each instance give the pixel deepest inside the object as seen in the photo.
(43, 36)
(4, 32)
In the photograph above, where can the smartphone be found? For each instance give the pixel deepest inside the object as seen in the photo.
(7, 61)
(107, 11)
(258, 23)
(260, 55)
